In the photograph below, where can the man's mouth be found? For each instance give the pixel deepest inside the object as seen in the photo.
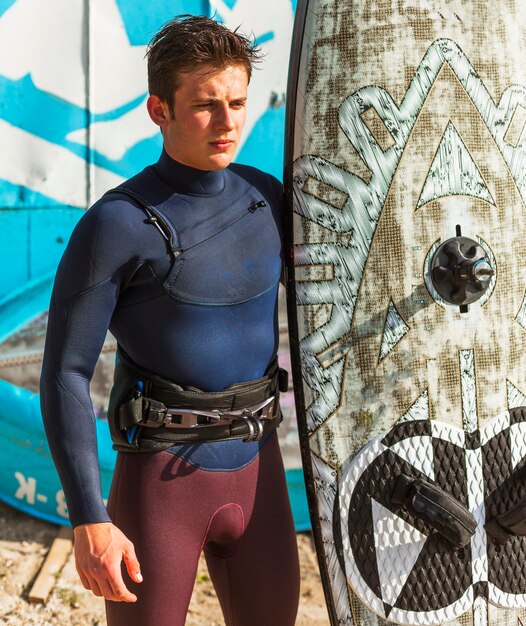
(222, 144)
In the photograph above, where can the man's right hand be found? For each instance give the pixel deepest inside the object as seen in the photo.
(99, 551)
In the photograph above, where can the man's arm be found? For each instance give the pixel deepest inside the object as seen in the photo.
(98, 261)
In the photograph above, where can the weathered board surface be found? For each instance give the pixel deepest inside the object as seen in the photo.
(406, 127)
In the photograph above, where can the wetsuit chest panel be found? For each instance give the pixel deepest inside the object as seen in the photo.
(231, 264)
(228, 244)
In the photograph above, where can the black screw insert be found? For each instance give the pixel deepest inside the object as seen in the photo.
(460, 271)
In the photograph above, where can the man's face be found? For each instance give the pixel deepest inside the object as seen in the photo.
(207, 118)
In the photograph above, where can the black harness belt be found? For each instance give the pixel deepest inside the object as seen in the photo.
(148, 413)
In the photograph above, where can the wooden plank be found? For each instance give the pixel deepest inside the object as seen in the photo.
(53, 564)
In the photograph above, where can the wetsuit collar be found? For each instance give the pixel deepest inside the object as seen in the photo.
(188, 180)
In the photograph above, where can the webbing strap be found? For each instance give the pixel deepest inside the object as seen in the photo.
(238, 395)
(155, 217)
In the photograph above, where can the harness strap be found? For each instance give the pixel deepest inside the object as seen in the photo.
(161, 412)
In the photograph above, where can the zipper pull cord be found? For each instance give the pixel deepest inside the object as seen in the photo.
(256, 205)
(153, 219)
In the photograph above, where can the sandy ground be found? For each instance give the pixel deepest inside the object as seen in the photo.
(25, 541)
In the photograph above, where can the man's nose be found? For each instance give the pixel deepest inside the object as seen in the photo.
(224, 118)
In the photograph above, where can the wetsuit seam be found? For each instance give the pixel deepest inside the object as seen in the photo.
(209, 523)
(83, 409)
(188, 193)
(100, 283)
(160, 295)
(135, 302)
(224, 304)
(218, 232)
(222, 469)
(173, 274)
(66, 390)
(225, 506)
(158, 278)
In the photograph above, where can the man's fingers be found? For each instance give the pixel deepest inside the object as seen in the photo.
(83, 580)
(106, 590)
(94, 586)
(110, 587)
(132, 564)
(99, 551)
(115, 589)
(119, 589)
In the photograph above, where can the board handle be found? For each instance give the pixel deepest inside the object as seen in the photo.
(436, 507)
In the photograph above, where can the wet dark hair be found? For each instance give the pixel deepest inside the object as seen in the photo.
(189, 41)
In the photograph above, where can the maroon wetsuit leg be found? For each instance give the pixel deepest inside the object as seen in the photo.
(171, 510)
(257, 576)
(143, 506)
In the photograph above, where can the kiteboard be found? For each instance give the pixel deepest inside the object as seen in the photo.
(406, 275)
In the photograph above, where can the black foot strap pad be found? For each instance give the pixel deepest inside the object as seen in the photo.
(512, 523)
(437, 508)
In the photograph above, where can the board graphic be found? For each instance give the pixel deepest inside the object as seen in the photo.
(407, 184)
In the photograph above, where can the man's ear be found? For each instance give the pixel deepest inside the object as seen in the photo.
(158, 111)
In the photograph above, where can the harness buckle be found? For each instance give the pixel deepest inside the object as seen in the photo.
(159, 415)
(156, 412)
(255, 422)
(188, 418)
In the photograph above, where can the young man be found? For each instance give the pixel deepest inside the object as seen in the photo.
(182, 264)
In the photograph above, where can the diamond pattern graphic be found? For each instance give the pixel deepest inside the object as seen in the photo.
(418, 451)
(517, 443)
(398, 546)
(402, 567)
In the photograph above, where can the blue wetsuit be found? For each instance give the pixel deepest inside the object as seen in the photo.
(209, 319)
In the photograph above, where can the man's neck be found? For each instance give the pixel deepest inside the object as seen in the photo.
(189, 180)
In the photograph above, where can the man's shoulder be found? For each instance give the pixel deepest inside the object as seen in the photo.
(116, 212)
(253, 173)
(256, 177)
(107, 237)
(124, 200)
(112, 207)
(136, 190)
